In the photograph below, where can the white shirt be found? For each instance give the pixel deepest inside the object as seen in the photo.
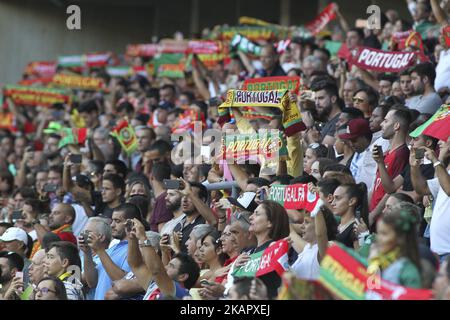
(440, 221)
(80, 219)
(307, 265)
(363, 166)
(33, 235)
(170, 225)
(443, 71)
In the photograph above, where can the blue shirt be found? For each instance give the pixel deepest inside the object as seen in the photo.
(118, 254)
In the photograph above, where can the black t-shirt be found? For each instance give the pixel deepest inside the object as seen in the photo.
(277, 71)
(186, 229)
(329, 128)
(347, 237)
(427, 171)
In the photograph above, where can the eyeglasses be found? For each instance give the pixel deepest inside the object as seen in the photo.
(44, 290)
(358, 100)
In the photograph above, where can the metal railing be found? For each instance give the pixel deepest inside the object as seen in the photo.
(225, 185)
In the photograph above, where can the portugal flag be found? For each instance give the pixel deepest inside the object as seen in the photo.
(438, 126)
(124, 133)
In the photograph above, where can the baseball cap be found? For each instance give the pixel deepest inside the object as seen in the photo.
(356, 128)
(14, 233)
(245, 201)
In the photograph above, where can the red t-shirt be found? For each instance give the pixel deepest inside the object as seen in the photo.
(395, 161)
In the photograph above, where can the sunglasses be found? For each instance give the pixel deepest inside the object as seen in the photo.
(358, 100)
(241, 215)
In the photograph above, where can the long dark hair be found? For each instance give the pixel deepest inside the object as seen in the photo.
(404, 221)
(277, 215)
(215, 235)
(359, 191)
(331, 223)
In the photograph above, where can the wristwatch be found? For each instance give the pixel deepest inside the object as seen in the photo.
(36, 221)
(436, 164)
(145, 243)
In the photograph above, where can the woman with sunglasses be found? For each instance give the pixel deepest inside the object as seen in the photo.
(50, 288)
(366, 100)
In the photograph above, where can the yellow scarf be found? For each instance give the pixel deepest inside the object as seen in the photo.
(381, 262)
(64, 276)
(37, 244)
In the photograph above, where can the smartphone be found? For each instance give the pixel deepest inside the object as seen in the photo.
(166, 238)
(85, 236)
(50, 188)
(262, 194)
(75, 158)
(172, 184)
(129, 225)
(19, 274)
(420, 154)
(17, 214)
(379, 150)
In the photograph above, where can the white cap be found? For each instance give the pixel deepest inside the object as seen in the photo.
(14, 233)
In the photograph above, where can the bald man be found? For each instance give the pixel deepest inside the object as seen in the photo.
(60, 223)
(36, 273)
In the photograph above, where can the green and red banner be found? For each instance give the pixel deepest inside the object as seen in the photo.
(187, 120)
(69, 136)
(291, 118)
(344, 274)
(84, 60)
(294, 196)
(438, 126)
(6, 120)
(33, 96)
(382, 61)
(253, 33)
(273, 259)
(41, 69)
(273, 83)
(321, 21)
(241, 43)
(78, 82)
(173, 46)
(124, 133)
(242, 146)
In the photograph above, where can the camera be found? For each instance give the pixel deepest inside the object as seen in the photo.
(17, 214)
(420, 154)
(172, 184)
(129, 225)
(76, 158)
(50, 188)
(85, 236)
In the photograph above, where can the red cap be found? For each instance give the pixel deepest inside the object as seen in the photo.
(356, 128)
